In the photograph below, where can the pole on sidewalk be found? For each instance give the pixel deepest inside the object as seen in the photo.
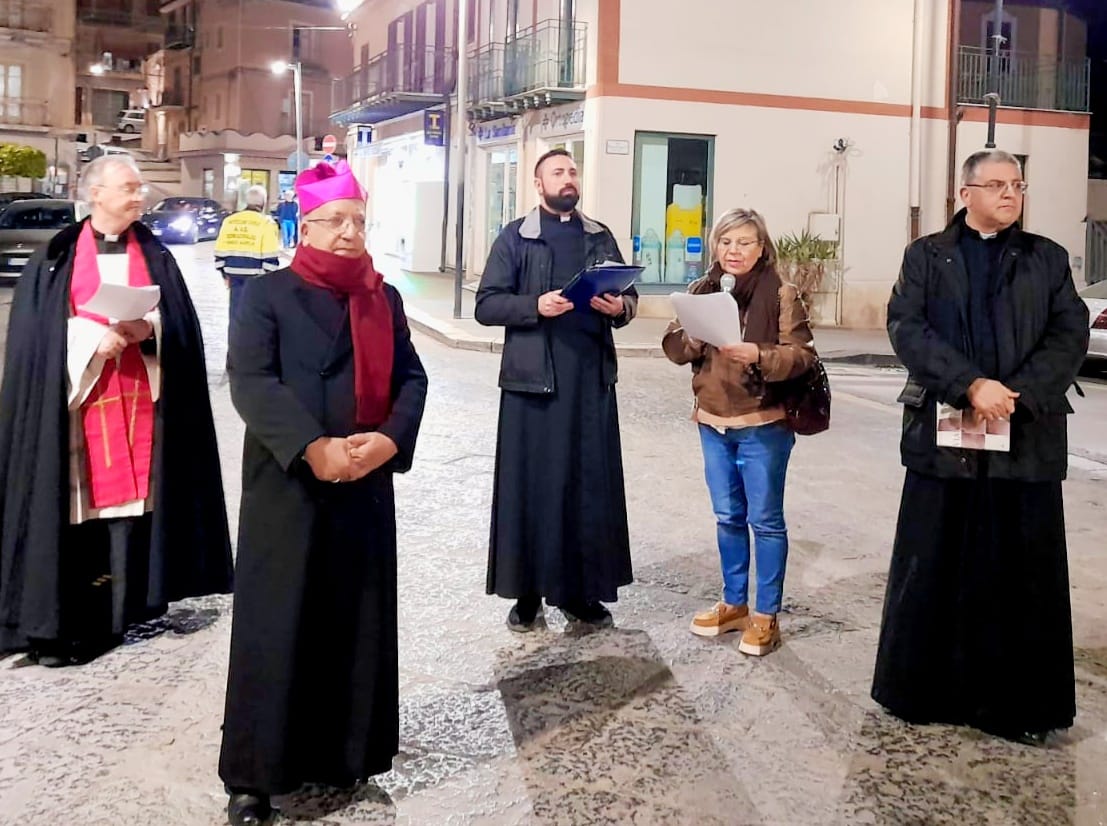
(993, 96)
(462, 138)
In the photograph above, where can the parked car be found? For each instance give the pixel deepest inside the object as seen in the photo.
(131, 120)
(185, 220)
(11, 197)
(97, 149)
(25, 226)
(1095, 296)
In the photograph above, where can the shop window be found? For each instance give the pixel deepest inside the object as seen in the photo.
(209, 183)
(671, 209)
(575, 147)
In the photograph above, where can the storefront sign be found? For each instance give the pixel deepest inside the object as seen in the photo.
(494, 130)
(559, 120)
(434, 127)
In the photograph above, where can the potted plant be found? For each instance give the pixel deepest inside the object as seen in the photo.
(804, 260)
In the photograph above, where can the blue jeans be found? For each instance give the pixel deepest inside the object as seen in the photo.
(745, 470)
(288, 233)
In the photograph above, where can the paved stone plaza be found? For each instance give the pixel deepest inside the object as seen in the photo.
(642, 724)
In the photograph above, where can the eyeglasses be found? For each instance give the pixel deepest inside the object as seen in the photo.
(336, 223)
(997, 187)
(126, 189)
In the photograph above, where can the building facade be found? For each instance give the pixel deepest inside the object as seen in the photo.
(37, 83)
(844, 121)
(222, 111)
(114, 38)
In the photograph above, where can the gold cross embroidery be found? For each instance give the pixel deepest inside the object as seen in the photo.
(134, 394)
(101, 403)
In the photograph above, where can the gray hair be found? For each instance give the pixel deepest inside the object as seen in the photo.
(739, 217)
(256, 196)
(973, 162)
(93, 174)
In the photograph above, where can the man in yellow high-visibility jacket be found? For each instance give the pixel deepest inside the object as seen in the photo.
(247, 245)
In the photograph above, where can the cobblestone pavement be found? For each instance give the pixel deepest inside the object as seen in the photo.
(642, 724)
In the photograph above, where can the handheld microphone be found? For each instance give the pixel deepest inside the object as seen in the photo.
(726, 281)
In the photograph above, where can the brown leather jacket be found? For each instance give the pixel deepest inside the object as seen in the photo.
(736, 394)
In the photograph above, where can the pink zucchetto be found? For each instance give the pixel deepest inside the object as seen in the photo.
(324, 183)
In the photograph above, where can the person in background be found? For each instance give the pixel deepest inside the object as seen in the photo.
(247, 245)
(288, 215)
(743, 430)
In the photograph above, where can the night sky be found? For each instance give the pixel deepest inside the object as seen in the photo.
(1095, 12)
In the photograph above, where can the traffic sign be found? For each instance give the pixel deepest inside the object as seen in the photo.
(328, 158)
(305, 161)
(330, 143)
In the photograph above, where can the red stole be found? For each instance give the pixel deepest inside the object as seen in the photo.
(118, 415)
(370, 323)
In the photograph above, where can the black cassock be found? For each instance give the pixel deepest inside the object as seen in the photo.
(182, 548)
(312, 693)
(559, 523)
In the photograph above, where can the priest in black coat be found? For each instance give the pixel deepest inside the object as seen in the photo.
(324, 374)
(977, 627)
(559, 514)
(111, 500)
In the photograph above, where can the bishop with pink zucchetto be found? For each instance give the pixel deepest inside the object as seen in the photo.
(324, 374)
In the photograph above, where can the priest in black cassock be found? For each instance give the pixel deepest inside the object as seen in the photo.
(559, 520)
(324, 374)
(111, 500)
(977, 627)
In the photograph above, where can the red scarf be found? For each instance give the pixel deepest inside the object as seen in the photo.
(370, 323)
(118, 415)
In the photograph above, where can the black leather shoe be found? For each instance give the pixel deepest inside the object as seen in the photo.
(524, 614)
(589, 613)
(248, 810)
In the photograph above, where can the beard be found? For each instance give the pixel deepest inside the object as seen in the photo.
(564, 201)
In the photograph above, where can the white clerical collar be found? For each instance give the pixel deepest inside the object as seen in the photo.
(988, 236)
(110, 237)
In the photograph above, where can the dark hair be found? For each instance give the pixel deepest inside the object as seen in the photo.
(553, 153)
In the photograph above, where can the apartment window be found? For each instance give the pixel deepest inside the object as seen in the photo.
(365, 54)
(209, 183)
(196, 66)
(218, 107)
(11, 90)
(219, 38)
(671, 207)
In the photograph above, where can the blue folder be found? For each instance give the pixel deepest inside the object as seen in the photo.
(602, 279)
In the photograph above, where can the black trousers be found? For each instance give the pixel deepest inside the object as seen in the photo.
(104, 581)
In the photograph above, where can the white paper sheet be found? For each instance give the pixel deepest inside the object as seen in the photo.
(711, 318)
(122, 303)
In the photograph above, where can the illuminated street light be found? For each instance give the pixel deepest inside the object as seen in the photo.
(279, 67)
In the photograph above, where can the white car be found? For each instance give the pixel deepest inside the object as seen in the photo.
(131, 120)
(1095, 296)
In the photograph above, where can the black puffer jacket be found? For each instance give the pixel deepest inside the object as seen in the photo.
(519, 270)
(1041, 335)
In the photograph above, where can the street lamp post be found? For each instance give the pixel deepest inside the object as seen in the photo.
(279, 67)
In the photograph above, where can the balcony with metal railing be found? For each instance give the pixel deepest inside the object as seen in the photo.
(19, 111)
(486, 82)
(1026, 80)
(545, 64)
(179, 37)
(106, 64)
(91, 14)
(393, 84)
(26, 15)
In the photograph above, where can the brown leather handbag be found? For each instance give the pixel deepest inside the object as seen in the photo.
(806, 400)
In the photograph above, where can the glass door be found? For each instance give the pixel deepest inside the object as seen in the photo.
(502, 171)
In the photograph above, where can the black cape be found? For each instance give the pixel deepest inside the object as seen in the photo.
(559, 523)
(313, 684)
(190, 552)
